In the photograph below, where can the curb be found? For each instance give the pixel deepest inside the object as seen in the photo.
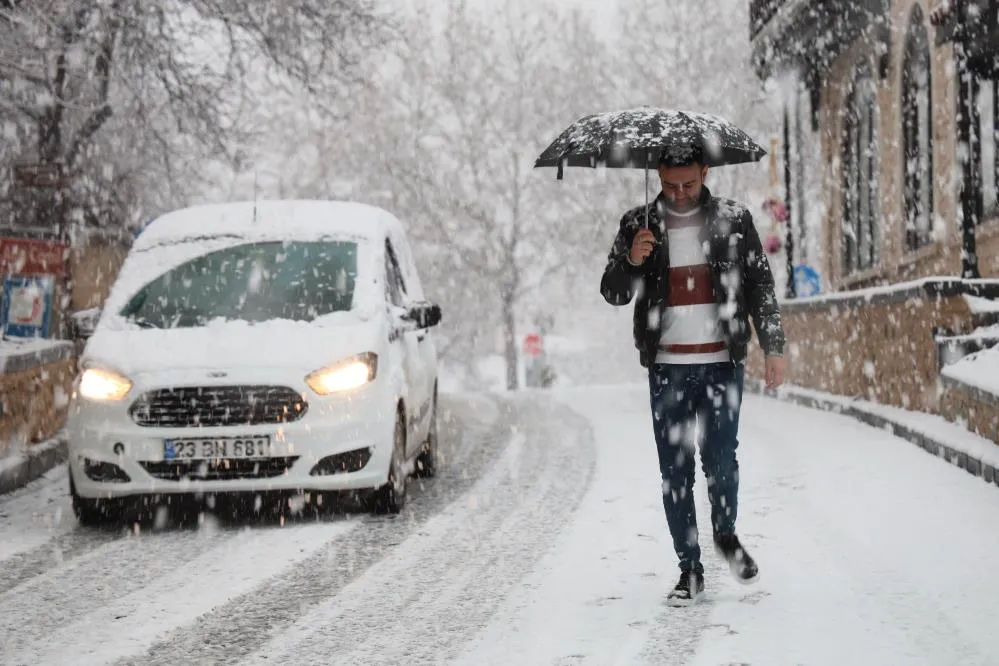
(33, 463)
(960, 459)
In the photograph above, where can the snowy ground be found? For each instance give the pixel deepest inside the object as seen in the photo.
(543, 542)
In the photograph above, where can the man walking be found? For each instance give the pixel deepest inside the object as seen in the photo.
(698, 273)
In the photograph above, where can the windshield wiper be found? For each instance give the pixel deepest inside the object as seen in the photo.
(142, 323)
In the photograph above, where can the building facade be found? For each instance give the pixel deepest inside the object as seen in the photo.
(890, 132)
(890, 128)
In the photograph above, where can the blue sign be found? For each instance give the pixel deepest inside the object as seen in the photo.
(27, 306)
(806, 281)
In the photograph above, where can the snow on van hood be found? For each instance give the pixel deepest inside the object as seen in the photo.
(233, 345)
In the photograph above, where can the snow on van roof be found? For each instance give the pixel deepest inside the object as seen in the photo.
(268, 220)
(182, 235)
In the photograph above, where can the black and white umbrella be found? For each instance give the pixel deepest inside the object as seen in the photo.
(638, 138)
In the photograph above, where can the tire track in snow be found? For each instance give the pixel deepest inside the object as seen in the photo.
(75, 572)
(472, 432)
(39, 533)
(438, 591)
(131, 622)
(63, 594)
(24, 566)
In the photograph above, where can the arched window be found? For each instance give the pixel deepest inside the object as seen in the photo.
(860, 174)
(917, 134)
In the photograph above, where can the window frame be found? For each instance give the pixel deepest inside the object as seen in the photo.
(861, 242)
(917, 139)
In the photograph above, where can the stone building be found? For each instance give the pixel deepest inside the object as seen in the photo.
(890, 163)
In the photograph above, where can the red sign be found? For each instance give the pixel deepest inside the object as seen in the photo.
(533, 345)
(32, 257)
(38, 175)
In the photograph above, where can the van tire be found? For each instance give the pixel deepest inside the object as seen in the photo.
(94, 512)
(426, 462)
(391, 498)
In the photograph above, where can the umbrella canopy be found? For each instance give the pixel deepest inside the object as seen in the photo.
(637, 138)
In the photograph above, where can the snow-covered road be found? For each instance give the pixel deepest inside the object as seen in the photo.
(542, 542)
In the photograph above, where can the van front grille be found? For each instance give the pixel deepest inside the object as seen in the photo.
(212, 406)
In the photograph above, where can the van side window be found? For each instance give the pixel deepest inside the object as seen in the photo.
(394, 284)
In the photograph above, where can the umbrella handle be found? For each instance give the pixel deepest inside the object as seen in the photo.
(646, 190)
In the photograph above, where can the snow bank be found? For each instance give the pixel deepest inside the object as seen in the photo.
(935, 428)
(980, 334)
(979, 305)
(17, 355)
(24, 464)
(902, 290)
(980, 370)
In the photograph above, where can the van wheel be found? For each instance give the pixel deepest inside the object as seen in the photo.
(426, 462)
(391, 498)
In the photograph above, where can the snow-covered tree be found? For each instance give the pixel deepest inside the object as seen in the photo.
(462, 115)
(133, 96)
(677, 55)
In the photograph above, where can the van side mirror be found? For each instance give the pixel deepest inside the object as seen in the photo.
(416, 317)
(84, 322)
(424, 315)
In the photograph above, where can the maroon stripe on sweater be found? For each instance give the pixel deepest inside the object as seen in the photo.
(690, 285)
(706, 348)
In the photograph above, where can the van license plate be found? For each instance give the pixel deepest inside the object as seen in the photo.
(214, 448)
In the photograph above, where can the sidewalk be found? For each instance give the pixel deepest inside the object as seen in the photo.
(934, 434)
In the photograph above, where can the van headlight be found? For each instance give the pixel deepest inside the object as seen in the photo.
(347, 375)
(103, 385)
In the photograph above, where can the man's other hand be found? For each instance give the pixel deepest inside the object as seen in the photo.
(774, 371)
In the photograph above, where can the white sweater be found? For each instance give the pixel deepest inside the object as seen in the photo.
(690, 332)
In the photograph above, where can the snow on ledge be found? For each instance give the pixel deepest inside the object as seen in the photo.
(932, 426)
(979, 370)
(20, 455)
(902, 291)
(18, 355)
(985, 333)
(979, 305)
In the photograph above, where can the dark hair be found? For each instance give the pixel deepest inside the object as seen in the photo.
(681, 156)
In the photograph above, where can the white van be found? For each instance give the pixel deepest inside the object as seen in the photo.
(258, 346)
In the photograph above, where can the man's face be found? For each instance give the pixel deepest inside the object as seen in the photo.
(682, 185)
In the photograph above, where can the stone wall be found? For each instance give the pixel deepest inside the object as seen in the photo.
(876, 344)
(94, 266)
(972, 407)
(34, 392)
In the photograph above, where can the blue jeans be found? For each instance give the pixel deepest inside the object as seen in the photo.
(683, 397)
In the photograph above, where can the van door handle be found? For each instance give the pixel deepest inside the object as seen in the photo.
(421, 336)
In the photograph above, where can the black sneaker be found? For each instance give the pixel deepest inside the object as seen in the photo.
(687, 590)
(741, 564)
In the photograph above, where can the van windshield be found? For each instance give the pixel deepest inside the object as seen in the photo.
(254, 282)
